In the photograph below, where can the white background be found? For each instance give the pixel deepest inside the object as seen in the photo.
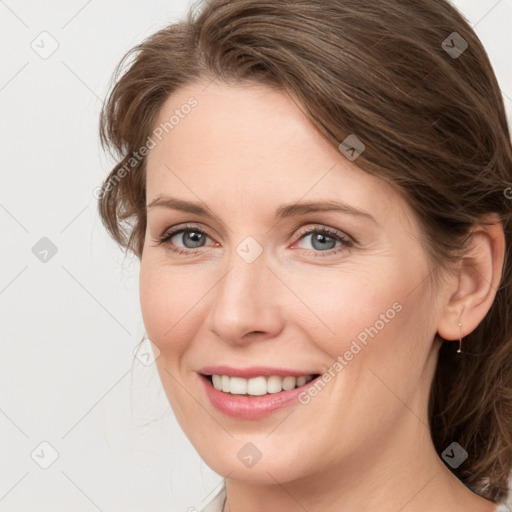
(69, 326)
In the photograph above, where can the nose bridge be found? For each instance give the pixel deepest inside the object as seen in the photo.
(245, 300)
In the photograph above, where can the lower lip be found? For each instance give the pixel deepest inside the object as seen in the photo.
(253, 407)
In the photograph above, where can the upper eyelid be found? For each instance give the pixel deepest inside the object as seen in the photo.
(320, 227)
(300, 233)
(186, 227)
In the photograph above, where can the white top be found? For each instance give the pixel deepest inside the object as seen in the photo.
(216, 504)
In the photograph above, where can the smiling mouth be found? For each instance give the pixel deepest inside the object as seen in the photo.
(258, 386)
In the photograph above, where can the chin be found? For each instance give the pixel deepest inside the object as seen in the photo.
(239, 460)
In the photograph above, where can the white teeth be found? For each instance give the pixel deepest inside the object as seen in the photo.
(225, 384)
(289, 383)
(238, 386)
(274, 384)
(217, 381)
(257, 386)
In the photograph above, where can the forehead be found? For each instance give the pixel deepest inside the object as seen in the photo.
(252, 145)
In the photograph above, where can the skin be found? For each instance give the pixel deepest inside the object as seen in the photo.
(362, 443)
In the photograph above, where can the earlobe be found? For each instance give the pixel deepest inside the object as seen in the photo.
(476, 283)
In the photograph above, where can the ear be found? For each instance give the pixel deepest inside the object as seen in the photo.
(477, 282)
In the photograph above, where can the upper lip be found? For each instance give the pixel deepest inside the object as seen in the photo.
(253, 371)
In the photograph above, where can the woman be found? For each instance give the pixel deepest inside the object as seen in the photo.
(319, 195)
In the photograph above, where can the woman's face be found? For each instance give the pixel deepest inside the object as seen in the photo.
(257, 288)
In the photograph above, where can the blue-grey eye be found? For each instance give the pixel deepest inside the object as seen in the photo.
(320, 241)
(191, 239)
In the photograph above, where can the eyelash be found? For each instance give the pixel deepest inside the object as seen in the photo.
(346, 241)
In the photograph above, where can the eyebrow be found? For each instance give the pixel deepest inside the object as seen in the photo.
(284, 211)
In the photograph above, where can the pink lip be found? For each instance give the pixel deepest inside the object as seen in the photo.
(254, 407)
(253, 371)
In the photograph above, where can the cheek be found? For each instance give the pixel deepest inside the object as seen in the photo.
(347, 304)
(169, 299)
(153, 301)
(380, 343)
(376, 318)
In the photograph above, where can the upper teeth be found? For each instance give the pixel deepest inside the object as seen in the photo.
(257, 386)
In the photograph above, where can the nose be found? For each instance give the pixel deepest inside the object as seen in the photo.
(245, 303)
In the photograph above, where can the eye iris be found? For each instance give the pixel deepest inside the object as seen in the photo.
(195, 238)
(322, 240)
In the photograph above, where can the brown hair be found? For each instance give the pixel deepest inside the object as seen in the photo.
(434, 127)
